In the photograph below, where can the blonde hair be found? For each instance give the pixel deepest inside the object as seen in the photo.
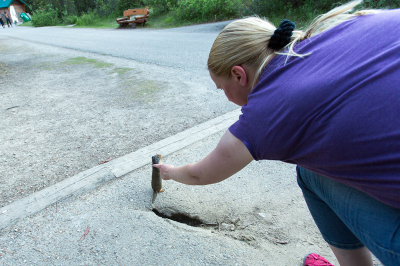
(245, 41)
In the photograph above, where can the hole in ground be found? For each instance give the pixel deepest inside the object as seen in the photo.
(180, 218)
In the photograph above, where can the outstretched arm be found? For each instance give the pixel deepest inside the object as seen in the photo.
(228, 158)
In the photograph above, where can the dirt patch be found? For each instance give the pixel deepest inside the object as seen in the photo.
(64, 111)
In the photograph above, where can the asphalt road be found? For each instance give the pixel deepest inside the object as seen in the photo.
(185, 48)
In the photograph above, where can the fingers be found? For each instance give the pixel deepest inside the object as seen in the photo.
(164, 170)
(163, 166)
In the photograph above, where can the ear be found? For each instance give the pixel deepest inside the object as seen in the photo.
(239, 74)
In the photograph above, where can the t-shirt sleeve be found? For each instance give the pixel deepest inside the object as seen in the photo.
(241, 130)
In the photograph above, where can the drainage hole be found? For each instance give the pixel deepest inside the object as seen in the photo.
(180, 218)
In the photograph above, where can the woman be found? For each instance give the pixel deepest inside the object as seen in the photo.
(328, 100)
(8, 19)
(1, 21)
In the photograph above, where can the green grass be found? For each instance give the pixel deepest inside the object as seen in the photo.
(120, 70)
(3, 68)
(102, 23)
(144, 90)
(155, 21)
(166, 20)
(274, 10)
(95, 63)
(45, 65)
(83, 60)
(29, 24)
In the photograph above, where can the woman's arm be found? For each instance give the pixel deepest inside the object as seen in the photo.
(228, 158)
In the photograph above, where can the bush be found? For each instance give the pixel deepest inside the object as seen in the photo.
(45, 17)
(129, 4)
(69, 8)
(104, 8)
(278, 8)
(69, 20)
(86, 19)
(208, 10)
(381, 4)
(307, 9)
(161, 6)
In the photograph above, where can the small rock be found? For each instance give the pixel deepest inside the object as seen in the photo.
(227, 227)
(247, 238)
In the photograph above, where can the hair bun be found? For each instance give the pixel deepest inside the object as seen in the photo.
(282, 35)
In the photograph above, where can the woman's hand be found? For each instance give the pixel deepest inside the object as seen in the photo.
(164, 170)
(229, 157)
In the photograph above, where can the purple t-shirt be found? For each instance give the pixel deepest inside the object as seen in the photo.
(335, 112)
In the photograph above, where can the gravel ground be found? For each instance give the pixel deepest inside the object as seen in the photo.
(257, 217)
(64, 111)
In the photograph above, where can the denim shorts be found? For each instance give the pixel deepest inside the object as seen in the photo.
(350, 219)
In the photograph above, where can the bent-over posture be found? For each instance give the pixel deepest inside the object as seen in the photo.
(328, 100)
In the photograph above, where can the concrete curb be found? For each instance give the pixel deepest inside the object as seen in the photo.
(94, 177)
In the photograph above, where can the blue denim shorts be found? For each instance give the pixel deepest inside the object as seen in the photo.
(350, 219)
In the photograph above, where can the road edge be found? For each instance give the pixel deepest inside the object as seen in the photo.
(90, 179)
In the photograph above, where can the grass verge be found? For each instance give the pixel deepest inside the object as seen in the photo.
(26, 24)
(101, 23)
(84, 60)
(155, 21)
(169, 19)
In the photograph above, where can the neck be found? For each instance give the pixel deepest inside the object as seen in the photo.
(256, 73)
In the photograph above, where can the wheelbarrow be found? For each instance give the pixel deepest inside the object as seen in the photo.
(134, 17)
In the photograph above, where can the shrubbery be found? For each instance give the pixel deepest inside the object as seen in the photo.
(208, 10)
(45, 17)
(86, 19)
(90, 12)
(69, 20)
(105, 8)
(381, 4)
(129, 4)
(283, 7)
(160, 6)
(303, 9)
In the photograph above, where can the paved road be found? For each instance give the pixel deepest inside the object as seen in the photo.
(184, 48)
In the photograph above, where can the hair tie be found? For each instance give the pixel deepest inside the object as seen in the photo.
(282, 34)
